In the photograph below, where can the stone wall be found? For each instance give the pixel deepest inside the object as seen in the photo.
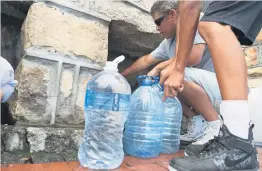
(254, 62)
(37, 145)
(62, 52)
(63, 44)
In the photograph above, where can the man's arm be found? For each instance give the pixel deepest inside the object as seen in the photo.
(188, 16)
(140, 64)
(173, 75)
(196, 54)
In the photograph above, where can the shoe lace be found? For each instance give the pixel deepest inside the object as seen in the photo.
(207, 133)
(191, 126)
(214, 146)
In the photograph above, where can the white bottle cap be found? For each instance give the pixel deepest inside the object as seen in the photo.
(112, 65)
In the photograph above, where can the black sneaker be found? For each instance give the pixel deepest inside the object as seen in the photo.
(194, 149)
(226, 153)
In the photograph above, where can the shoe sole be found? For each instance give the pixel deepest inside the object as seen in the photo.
(181, 169)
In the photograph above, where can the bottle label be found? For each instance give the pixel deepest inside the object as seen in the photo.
(106, 101)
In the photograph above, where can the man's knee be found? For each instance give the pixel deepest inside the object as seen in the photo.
(209, 30)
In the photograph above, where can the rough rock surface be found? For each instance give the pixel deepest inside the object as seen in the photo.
(51, 89)
(53, 140)
(13, 139)
(48, 26)
(39, 144)
(255, 72)
(33, 100)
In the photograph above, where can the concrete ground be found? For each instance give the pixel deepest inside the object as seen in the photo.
(129, 164)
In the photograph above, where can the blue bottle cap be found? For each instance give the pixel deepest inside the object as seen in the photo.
(145, 80)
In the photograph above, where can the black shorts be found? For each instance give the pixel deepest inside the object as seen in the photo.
(244, 17)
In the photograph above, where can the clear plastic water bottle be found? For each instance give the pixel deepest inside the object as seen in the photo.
(144, 124)
(171, 124)
(106, 109)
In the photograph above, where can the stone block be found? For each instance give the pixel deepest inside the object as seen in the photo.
(34, 99)
(65, 31)
(42, 157)
(251, 55)
(54, 140)
(15, 157)
(255, 72)
(13, 139)
(51, 88)
(132, 30)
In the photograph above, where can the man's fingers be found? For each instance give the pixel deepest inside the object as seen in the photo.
(173, 91)
(163, 78)
(180, 88)
(167, 92)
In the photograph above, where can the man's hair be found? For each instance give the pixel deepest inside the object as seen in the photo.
(162, 7)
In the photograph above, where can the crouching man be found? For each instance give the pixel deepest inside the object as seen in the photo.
(201, 92)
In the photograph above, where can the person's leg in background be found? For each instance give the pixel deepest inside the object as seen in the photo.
(201, 84)
(195, 124)
(187, 111)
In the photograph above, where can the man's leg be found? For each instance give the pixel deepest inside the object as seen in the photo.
(231, 70)
(195, 125)
(192, 93)
(187, 111)
(232, 149)
(201, 84)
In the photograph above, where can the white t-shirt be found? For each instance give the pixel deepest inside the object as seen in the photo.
(6, 79)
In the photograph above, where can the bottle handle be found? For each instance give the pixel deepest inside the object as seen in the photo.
(119, 59)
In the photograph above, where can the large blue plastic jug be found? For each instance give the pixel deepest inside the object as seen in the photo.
(144, 124)
(106, 109)
(171, 123)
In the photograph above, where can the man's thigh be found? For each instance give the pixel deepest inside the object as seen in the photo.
(208, 81)
(244, 17)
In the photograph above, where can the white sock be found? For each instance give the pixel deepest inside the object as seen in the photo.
(215, 125)
(236, 117)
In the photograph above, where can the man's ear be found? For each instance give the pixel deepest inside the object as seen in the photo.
(173, 13)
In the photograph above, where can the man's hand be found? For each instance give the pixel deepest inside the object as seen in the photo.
(154, 72)
(157, 69)
(173, 80)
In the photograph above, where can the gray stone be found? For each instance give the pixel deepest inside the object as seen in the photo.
(13, 138)
(70, 156)
(54, 140)
(36, 138)
(15, 157)
(42, 157)
(33, 99)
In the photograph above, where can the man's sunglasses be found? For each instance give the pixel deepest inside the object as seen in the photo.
(160, 19)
